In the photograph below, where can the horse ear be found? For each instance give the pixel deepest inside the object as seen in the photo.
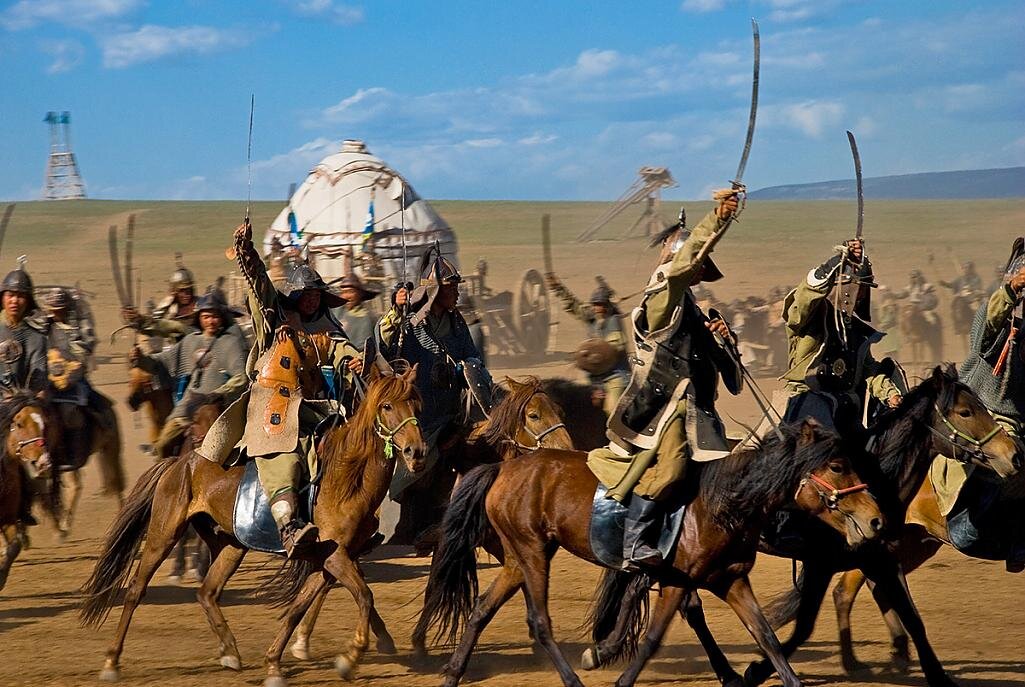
(511, 384)
(808, 432)
(410, 374)
(374, 373)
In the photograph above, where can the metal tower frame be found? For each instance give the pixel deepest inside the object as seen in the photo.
(63, 181)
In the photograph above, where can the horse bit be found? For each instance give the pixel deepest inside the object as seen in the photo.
(831, 496)
(973, 451)
(383, 431)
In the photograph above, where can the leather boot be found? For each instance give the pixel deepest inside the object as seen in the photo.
(296, 536)
(640, 532)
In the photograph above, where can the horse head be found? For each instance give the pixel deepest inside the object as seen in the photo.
(831, 489)
(30, 434)
(526, 417)
(389, 411)
(963, 428)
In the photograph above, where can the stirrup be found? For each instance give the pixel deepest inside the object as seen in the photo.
(298, 537)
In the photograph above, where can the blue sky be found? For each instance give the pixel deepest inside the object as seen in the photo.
(518, 100)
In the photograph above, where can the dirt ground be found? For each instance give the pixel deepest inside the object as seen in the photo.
(973, 609)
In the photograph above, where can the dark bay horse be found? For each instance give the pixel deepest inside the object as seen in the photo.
(29, 428)
(542, 501)
(940, 415)
(357, 461)
(523, 420)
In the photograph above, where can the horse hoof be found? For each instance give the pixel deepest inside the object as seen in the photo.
(275, 681)
(856, 667)
(345, 667)
(757, 673)
(231, 662)
(300, 651)
(385, 645)
(589, 659)
(110, 675)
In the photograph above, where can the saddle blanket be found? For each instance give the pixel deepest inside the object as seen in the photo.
(254, 525)
(606, 533)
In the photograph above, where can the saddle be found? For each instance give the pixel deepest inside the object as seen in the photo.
(252, 521)
(606, 532)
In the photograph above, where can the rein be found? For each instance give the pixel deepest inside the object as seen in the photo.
(383, 431)
(831, 496)
(971, 449)
(538, 438)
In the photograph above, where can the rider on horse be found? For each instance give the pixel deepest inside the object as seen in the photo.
(206, 366)
(357, 315)
(281, 442)
(829, 337)
(436, 337)
(173, 317)
(921, 295)
(979, 511)
(668, 409)
(22, 343)
(607, 367)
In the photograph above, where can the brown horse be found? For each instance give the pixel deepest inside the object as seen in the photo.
(921, 335)
(156, 399)
(357, 461)
(924, 534)
(26, 460)
(543, 501)
(524, 419)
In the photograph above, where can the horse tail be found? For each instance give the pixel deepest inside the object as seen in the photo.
(452, 585)
(783, 607)
(287, 581)
(619, 592)
(112, 468)
(120, 546)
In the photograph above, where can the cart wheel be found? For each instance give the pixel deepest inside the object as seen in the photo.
(532, 312)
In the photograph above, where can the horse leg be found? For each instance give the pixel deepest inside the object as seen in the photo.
(668, 603)
(693, 612)
(71, 481)
(301, 646)
(348, 574)
(534, 562)
(313, 586)
(509, 579)
(225, 563)
(13, 537)
(160, 538)
(844, 594)
(813, 591)
(891, 587)
(741, 599)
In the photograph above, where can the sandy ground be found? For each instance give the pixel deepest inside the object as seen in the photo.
(973, 609)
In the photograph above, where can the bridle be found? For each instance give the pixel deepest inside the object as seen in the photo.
(831, 496)
(539, 436)
(971, 449)
(388, 434)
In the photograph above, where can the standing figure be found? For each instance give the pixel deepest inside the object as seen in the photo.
(435, 337)
(357, 316)
(668, 409)
(986, 517)
(277, 430)
(830, 338)
(603, 355)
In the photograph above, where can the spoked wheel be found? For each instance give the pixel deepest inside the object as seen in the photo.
(531, 311)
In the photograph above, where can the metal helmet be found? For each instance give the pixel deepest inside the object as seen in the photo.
(601, 296)
(305, 278)
(1016, 261)
(57, 299)
(181, 278)
(435, 271)
(18, 281)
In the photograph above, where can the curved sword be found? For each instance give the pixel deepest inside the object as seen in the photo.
(754, 107)
(861, 189)
(8, 211)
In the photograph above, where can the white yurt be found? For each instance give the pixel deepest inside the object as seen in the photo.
(332, 224)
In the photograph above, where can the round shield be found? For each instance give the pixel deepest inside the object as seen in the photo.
(11, 351)
(595, 356)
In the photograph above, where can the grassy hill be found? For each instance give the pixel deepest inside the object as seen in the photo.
(968, 184)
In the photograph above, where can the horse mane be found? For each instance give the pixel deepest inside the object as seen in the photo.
(349, 449)
(586, 426)
(752, 482)
(505, 417)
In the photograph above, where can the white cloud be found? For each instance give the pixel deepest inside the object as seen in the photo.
(339, 13)
(538, 139)
(152, 42)
(28, 13)
(810, 117)
(66, 55)
(703, 5)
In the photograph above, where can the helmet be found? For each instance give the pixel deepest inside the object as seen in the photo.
(305, 278)
(180, 279)
(18, 281)
(57, 299)
(435, 271)
(1016, 261)
(351, 281)
(601, 296)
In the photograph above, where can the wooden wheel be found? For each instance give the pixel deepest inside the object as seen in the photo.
(531, 312)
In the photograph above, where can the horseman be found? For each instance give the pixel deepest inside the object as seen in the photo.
(70, 344)
(173, 317)
(434, 336)
(603, 355)
(830, 337)
(357, 316)
(208, 365)
(281, 441)
(22, 342)
(668, 409)
(968, 284)
(986, 519)
(921, 295)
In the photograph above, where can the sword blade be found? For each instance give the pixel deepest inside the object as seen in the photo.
(249, 155)
(546, 243)
(129, 245)
(115, 266)
(857, 176)
(754, 105)
(8, 211)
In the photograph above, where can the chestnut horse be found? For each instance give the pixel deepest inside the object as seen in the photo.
(157, 401)
(542, 501)
(940, 415)
(523, 420)
(30, 430)
(357, 461)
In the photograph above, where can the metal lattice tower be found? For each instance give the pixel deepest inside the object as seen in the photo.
(63, 180)
(648, 188)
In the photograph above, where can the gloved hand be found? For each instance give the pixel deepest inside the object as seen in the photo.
(729, 202)
(854, 250)
(244, 232)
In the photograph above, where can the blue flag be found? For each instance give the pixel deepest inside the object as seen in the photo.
(293, 229)
(368, 227)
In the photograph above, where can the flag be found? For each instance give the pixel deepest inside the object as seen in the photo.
(368, 226)
(294, 234)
